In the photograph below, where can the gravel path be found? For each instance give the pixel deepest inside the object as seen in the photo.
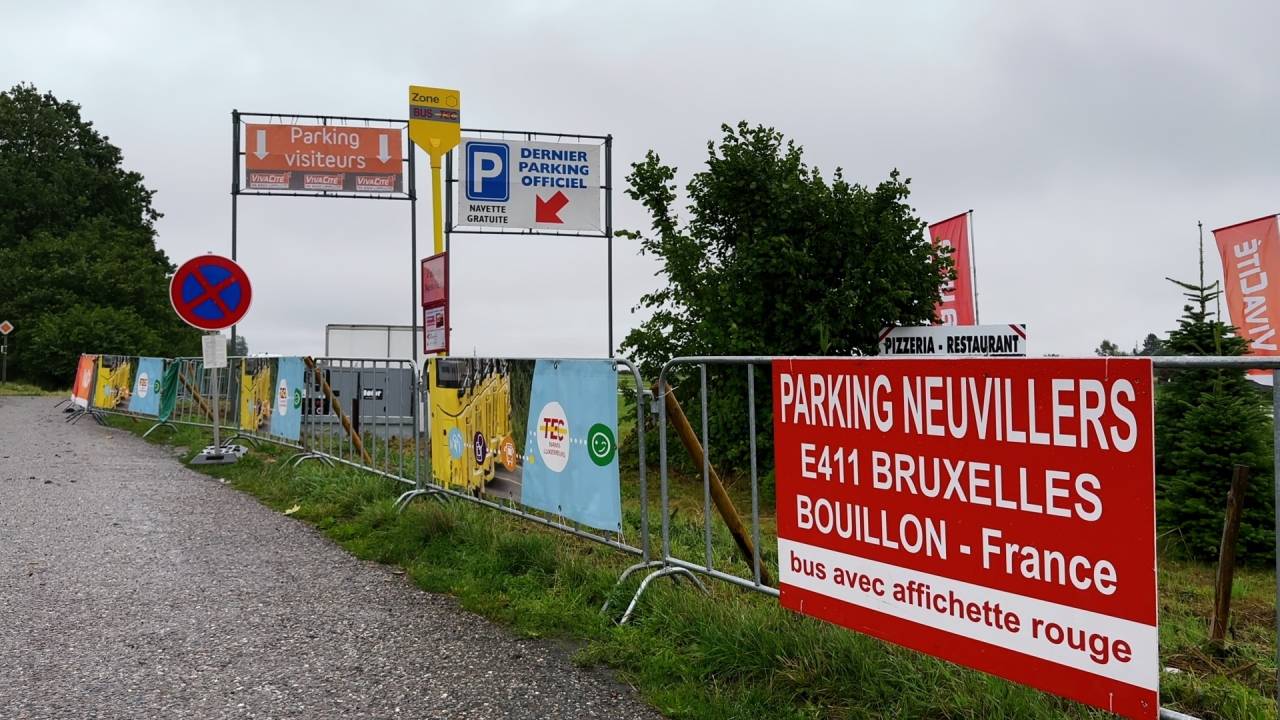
(132, 587)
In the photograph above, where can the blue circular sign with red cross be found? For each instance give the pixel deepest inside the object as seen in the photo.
(210, 292)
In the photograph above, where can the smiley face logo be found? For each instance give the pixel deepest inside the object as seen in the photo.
(601, 445)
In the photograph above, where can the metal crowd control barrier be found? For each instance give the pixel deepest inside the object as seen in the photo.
(253, 384)
(428, 486)
(74, 410)
(669, 564)
(116, 373)
(194, 397)
(363, 413)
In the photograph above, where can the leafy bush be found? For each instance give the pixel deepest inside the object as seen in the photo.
(81, 271)
(60, 337)
(774, 259)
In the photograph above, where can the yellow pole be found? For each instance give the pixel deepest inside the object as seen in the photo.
(437, 209)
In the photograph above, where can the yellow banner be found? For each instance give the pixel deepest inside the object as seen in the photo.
(255, 394)
(472, 398)
(114, 384)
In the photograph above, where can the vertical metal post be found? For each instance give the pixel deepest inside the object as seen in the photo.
(973, 271)
(4, 360)
(413, 257)
(448, 252)
(661, 401)
(1275, 482)
(437, 212)
(217, 411)
(235, 193)
(608, 226)
(706, 469)
(413, 418)
(644, 479)
(755, 478)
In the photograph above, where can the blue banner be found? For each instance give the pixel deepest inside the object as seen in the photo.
(571, 448)
(286, 411)
(145, 399)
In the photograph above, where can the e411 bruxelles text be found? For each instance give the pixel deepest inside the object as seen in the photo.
(1052, 492)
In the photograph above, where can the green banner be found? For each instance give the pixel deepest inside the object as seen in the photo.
(169, 391)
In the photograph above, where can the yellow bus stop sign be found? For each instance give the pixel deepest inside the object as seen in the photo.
(435, 125)
(435, 120)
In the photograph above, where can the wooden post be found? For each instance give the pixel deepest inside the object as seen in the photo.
(1227, 556)
(333, 403)
(724, 504)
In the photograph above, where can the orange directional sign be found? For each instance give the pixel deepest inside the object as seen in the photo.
(6, 327)
(324, 158)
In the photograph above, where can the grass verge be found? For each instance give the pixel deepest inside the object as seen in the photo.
(21, 388)
(732, 654)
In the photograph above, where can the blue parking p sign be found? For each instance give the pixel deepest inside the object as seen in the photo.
(487, 172)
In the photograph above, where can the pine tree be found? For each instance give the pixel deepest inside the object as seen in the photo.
(1208, 421)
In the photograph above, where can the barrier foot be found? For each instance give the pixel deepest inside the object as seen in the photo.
(97, 417)
(664, 572)
(159, 425)
(407, 497)
(253, 442)
(623, 578)
(298, 458)
(208, 457)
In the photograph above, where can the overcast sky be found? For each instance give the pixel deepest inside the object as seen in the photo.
(1088, 137)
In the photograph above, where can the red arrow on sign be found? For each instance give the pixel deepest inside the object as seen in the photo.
(547, 210)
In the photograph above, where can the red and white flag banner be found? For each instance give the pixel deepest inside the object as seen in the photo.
(957, 306)
(1251, 270)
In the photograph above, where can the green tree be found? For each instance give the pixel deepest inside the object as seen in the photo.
(1208, 421)
(77, 244)
(1151, 345)
(1109, 349)
(773, 259)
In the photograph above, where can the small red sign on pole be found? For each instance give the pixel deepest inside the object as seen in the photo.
(997, 514)
(434, 280)
(6, 327)
(210, 292)
(435, 305)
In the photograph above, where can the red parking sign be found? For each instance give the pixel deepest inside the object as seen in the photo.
(996, 513)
